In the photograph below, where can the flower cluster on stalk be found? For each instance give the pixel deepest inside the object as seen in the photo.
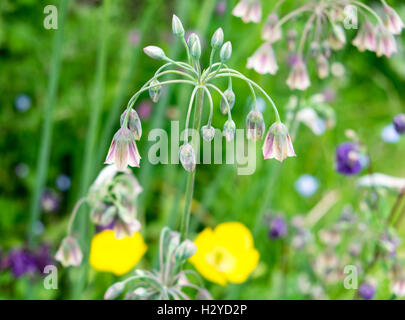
(323, 32)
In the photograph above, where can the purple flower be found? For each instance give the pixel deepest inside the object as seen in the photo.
(278, 228)
(21, 262)
(348, 159)
(43, 258)
(221, 8)
(399, 123)
(366, 291)
(50, 201)
(144, 109)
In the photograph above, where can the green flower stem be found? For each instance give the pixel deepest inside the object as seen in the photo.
(237, 75)
(74, 214)
(190, 107)
(185, 219)
(46, 134)
(211, 104)
(367, 8)
(223, 97)
(88, 169)
(187, 50)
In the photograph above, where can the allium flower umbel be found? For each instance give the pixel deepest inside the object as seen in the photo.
(123, 150)
(248, 11)
(278, 143)
(399, 123)
(348, 159)
(263, 60)
(298, 78)
(69, 253)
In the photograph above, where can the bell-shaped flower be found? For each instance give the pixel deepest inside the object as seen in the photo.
(278, 143)
(133, 123)
(229, 130)
(298, 78)
(123, 150)
(255, 125)
(337, 37)
(187, 157)
(69, 253)
(366, 38)
(248, 11)
(271, 31)
(392, 20)
(263, 60)
(386, 44)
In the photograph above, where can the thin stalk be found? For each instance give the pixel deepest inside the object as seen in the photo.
(46, 134)
(185, 219)
(90, 145)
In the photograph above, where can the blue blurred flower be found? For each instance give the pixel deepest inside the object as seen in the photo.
(50, 201)
(399, 123)
(63, 182)
(389, 134)
(22, 102)
(306, 185)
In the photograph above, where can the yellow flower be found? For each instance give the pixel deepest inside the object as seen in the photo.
(109, 254)
(225, 254)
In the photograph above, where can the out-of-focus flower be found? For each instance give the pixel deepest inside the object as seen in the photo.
(225, 254)
(389, 134)
(22, 170)
(263, 60)
(278, 143)
(21, 262)
(367, 291)
(277, 228)
(310, 118)
(22, 102)
(144, 109)
(348, 159)
(386, 44)
(337, 69)
(291, 39)
(119, 256)
(298, 78)
(50, 201)
(271, 32)
(69, 252)
(301, 234)
(390, 242)
(327, 267)
(255, 125)
(330, 237)
(220, 8)
(63, 182)
(399, 123)
(43, 258)
(366, 38)
(248, 11)
(392, 20)
(322, 66)
(134, 36)
(123, 150)
(398, 288)
(306, 185)
(337, 38)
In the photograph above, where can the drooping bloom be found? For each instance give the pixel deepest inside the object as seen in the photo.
(278, 143)
(248, 11)
(337, 38)
(208, 133)
(271, 32)
(366, 291)
(187, 157)
(399, 123)
(348, 159)
(278, 228)
(225, 254)
(298, 78)
(386, 44)
(392, 20)
(366, 38)
(133, 123)
(69, 252)
(229, 130)
(123, 150)
(263, 60)
(255, 125)
(119, 256)
(322, 66)
(230, 98)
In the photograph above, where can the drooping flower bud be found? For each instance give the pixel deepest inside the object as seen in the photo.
(134, 123)
(366, 38)
(69, 253)
(217, 38)
(337, 37)
(155, 90)
(229, 130)
(248, 11)
(177, 27)
(114, 291)
(298, 78)
(399, 123)
(195, 49)
(291, 39)
(314, 49)
(278, 143)
(255, 125)
(322, 66)
(123, 150)
(271, 32)
(187, 157)
(154, 52)
(263, 60)
(186, 250)
(230, 97)
(386, 44)
(208, 133)
(392, 20)
(226, 51)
